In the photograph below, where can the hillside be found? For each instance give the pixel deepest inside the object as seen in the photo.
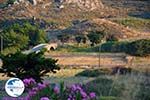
(55, 10)
(136, 8)
(97, 14)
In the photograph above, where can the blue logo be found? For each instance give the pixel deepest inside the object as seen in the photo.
(14, 87)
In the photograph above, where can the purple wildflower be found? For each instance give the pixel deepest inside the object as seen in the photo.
(35, 89)
(27, 97)
(79, 88)
(69, 99)
(92, 95)
(44, 98)
(56, 89)
(26, 82)
(32, 81)
(41, 86)
(29, 81)
(84, 95)
(32, 93)
(73, 87)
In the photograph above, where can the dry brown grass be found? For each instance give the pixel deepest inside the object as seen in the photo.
(92, 59)
(107, 60)
(83, 60)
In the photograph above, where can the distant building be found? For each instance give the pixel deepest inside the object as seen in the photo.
(37, 48)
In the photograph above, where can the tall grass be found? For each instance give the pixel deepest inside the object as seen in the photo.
(133, 86)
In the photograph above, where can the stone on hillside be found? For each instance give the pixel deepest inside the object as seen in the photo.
(82, 4)
(20, 0)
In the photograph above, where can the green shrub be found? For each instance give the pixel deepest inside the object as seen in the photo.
(63, 37)
(10, 1)
(95, 37)
(114, 47)
(22, 37)
(80, 39)
(136, 48)
(139, 48)
(23, 66)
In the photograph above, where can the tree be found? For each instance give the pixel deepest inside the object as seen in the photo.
(10, 1)
(80, 39)
(95, 37)
(139, 48)
(35, 34)
(63, 37)
(22, 36)
(14, 40)
(111, 37)
(23, 66)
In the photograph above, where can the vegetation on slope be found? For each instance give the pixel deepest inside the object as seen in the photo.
(19, 37)
(135, 23)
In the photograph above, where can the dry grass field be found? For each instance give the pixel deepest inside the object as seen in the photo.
(106, 60)
(89, 59)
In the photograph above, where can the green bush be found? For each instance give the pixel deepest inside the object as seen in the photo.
(63, 37)
(139, 48)
(23, 66)
(22, 37)
(80, 39)
(114, 47)
(95, 37)
(10, 1)
(135, 48)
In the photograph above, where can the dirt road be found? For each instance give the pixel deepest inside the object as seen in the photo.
(90, 60)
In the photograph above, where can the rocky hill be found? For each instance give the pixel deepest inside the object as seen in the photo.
(91, 13)
(109, 27)
(82, 4)
(53, 8)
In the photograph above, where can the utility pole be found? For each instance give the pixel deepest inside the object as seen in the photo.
(1, 43)
(99, 56)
